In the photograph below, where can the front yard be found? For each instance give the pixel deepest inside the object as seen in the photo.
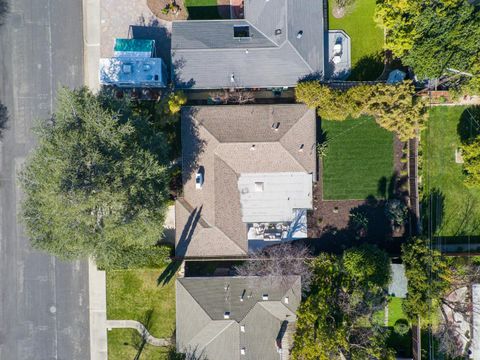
(366, 39)
(449, 208)
(142, 295)
(202, 9)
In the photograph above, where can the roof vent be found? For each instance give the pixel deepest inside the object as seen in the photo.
(246, 51)
(278, 31)
(301, 147)
(259, 186)
(275, 126)
(265, 297)
(242, 351)
(299, 34)
(226, 315)
(242, 328)
(285, 300)
(253, 147)
(232, 78)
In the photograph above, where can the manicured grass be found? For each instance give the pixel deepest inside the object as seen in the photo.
(131, 294)
(366, 39)
(452, 209)
(122, 346)
(359, 157)
(202, 9)
(401, 343)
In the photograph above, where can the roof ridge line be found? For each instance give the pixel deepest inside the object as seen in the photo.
(230, 323)
(278, 45)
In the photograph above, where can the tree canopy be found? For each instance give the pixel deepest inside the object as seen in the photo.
(394, 107)
(97, 183)
(337, 317)
(429, 276)
(471, 165)
(434, 35)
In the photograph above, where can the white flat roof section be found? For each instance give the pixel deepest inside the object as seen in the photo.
(272, 197)
(132, 71)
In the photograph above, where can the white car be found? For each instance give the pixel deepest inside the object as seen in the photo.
(199, 180)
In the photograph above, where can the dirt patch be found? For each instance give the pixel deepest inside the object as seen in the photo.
(176, 9)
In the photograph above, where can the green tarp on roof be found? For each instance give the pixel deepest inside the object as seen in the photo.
(134, 45)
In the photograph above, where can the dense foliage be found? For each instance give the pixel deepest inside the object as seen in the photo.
(394, 107)
(97, 184)
(336, 320)
(471, 165)
(428, 274)
(434, 35)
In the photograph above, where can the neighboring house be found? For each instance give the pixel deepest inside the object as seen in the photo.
(237, 317)
(247, 178)
(133, 65)
(278, 42)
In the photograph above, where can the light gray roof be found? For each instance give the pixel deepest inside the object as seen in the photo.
(202, 325)
(218, 141)
(205, 54)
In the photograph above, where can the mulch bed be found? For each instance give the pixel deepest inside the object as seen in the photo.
(156, 6)
(331, 217)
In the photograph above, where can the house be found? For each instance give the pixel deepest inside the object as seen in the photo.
(247, 178)
(133, 65)
(237, 317)
(277, 42)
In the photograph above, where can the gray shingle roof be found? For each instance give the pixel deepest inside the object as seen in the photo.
(220, 338)
(219, 139)
(205, 54)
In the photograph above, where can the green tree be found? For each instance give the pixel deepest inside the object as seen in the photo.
(336, 318)
(396, 109)
(428, 275)
(97, 183)
(471, 162)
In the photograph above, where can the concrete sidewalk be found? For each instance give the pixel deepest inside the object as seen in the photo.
(132, 324)
(91, 37)
(97, 287)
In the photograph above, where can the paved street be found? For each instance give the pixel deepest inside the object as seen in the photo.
(43, 302)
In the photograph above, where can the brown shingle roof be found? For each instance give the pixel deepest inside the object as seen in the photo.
(219, 140)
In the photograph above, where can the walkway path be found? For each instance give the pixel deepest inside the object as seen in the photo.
(132, 324)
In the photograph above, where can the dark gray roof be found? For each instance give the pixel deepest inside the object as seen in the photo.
(205, 54)
(202, 303)
(219, 139)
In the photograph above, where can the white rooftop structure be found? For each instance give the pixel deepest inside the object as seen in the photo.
(274, 197)
(133, 71)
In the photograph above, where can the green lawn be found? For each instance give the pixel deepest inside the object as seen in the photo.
(366, 39)
(202, 9)
(359, 157)
(448, 205)
(122, 345)
(402, 344)
(131, 294)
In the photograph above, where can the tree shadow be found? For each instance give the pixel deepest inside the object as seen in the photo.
(468, 127)
(368, 68)
(433, 208)
(192, 144)
(177, 78)
(188, 231)
(4, 10)
(140, 340)
(3, 119)
(168, 273)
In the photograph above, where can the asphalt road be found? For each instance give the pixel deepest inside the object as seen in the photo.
(43, 302)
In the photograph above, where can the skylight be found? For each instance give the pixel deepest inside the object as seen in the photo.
(241, 31)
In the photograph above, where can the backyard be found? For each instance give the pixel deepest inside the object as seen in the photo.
(402, 343)
(359, 159)
(450, 209)
(145, 295)
(366, 39)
